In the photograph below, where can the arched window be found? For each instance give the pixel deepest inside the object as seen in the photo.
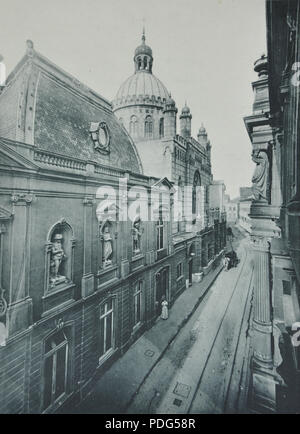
(145, 62)
(56, 368)
(196, 183)
(133, 126)
(148, 127)
(139, 63)
(161, 127)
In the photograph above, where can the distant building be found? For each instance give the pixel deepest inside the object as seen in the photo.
(147, 111)
(232, 209)
(244, 204)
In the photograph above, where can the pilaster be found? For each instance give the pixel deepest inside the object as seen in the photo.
(19, 312)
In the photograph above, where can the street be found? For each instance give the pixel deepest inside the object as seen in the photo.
(196, 361)
(201, 371)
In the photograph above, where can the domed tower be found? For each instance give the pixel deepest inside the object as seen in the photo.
(202, 139)
(170, 114)
(143, 103)
(185, 122)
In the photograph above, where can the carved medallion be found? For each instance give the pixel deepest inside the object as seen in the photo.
(100, 135)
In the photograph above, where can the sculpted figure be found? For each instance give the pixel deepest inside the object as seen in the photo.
(107, 247)
(137, 235)
(260, 176)
(57, 256)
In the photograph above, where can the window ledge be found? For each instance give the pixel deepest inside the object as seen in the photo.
(106, 270)
(106, 356)
(60, 288)
(137, 257)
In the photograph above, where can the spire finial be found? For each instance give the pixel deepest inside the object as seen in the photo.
(143, 35)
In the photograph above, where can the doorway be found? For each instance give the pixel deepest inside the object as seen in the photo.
(162, 287)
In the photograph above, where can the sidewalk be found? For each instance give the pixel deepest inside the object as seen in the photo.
(114, 391)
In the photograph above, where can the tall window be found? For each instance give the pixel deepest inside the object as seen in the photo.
(179, 270)
(55, 368)
(160, 231)
(106, 327)
(133, 126)
(180, 204)
(137, 303)
(196, 183)
(148, 127)
(161, 127)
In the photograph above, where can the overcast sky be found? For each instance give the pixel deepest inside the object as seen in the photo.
(203, 52)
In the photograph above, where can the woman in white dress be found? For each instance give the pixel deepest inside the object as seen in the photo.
(164, 308)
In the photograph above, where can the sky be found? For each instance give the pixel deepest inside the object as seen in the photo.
(203, 52)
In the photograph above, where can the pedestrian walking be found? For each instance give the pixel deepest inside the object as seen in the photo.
(164, 308)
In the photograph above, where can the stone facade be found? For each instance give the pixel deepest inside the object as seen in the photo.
(275, 235)
(77, 287)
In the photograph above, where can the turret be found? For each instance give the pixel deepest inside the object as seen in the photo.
(185, 122)
(203, 140)
(170, 115)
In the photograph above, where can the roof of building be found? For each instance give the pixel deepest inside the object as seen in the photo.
(44, 106)
(142, 87)
(142, 84)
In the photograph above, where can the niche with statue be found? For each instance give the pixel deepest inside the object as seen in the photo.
(59, 255)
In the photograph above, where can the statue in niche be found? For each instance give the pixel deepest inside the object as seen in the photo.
(260, 177)
(56, 259)
(136, 235)
(107, 247)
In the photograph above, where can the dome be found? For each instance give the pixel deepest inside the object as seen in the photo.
(143, 49)
(186, 110)
(202, 130)
(170, 101)
(141, 84)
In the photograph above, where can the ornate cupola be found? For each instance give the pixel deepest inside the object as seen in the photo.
(185, 122)
(143, 59)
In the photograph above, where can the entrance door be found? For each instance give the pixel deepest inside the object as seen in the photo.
(162, 283)
(190, 272)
